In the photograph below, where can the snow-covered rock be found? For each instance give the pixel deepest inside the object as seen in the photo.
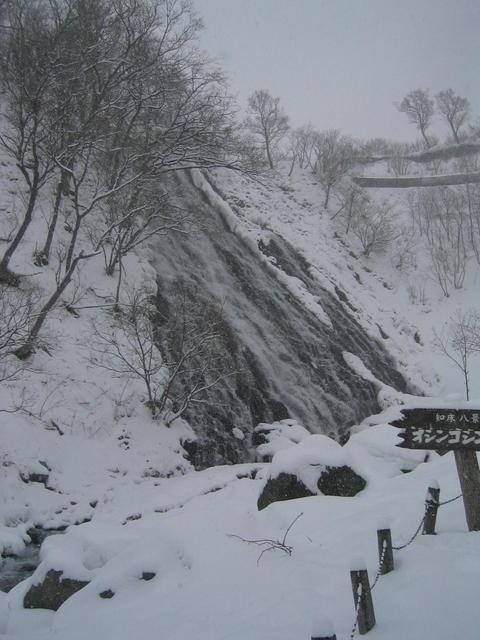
(318, 465)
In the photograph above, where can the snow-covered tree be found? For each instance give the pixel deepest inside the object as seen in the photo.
(454, 110)
(460, 342)
(334, 156)
(419, 108)
(267, 121)
(101, 99)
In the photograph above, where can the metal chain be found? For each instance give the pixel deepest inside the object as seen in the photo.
(399, 548)
(359, 600)
(429, 501)
(359, 590)
(380, 566)
(440, 504)
(404, 546)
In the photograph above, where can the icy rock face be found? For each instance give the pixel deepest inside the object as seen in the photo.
(287, 358)
(274, 437)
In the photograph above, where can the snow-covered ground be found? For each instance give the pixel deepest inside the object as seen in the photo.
(144, 509)
(212, 585)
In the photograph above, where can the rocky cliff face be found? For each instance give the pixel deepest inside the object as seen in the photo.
(284, 333)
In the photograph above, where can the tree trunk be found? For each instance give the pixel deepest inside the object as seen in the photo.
(60, 192)
(7, 256)
(269, 155)
(424, 135)
(43, 256)
(327, 197)
(292, 166)
(26, 349)
(454, 131)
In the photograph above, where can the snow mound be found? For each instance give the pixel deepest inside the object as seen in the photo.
(309, 459)
(277, 436)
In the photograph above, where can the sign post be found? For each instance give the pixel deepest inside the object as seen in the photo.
(455, 430)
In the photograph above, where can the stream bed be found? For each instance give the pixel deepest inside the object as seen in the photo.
(14, 569)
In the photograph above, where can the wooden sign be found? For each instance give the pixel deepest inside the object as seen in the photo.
(449, 429)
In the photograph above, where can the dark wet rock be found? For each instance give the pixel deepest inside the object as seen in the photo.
(285, 486)
(148, 575)
(41, 478)
(333, 481)
(260, 436)
(52, 592)
(107, 594)
(190, 447)
(134, 516)
(340, 481)
(37, 534)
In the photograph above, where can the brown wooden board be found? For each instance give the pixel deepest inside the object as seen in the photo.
(448, 429)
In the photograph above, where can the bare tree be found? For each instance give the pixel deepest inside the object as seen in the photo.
(441, 216)
(16, 313)
(174, 357)
(334, 156)
(129, 219)
(250, 151)
(117, 95)
(454, 109)
(29, 55)
(267, 121)
(302, 145)
(405, 249)
(353, 201)
(419, 108)
(128, 348)
(461, 342)
(63, 279)
(374, 227)
(471, 196)
(191, 336)
(375, 148)
(398, 163)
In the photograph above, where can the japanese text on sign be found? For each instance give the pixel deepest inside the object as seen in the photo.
(430, 435)
(453, 418)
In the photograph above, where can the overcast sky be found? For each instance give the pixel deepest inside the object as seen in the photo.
(343, 63)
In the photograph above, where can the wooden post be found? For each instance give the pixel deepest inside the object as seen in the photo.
(469, 474)
(432, 500)
(385, 552)
(362, 597)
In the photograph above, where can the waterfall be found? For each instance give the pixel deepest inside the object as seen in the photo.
(285, 349)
